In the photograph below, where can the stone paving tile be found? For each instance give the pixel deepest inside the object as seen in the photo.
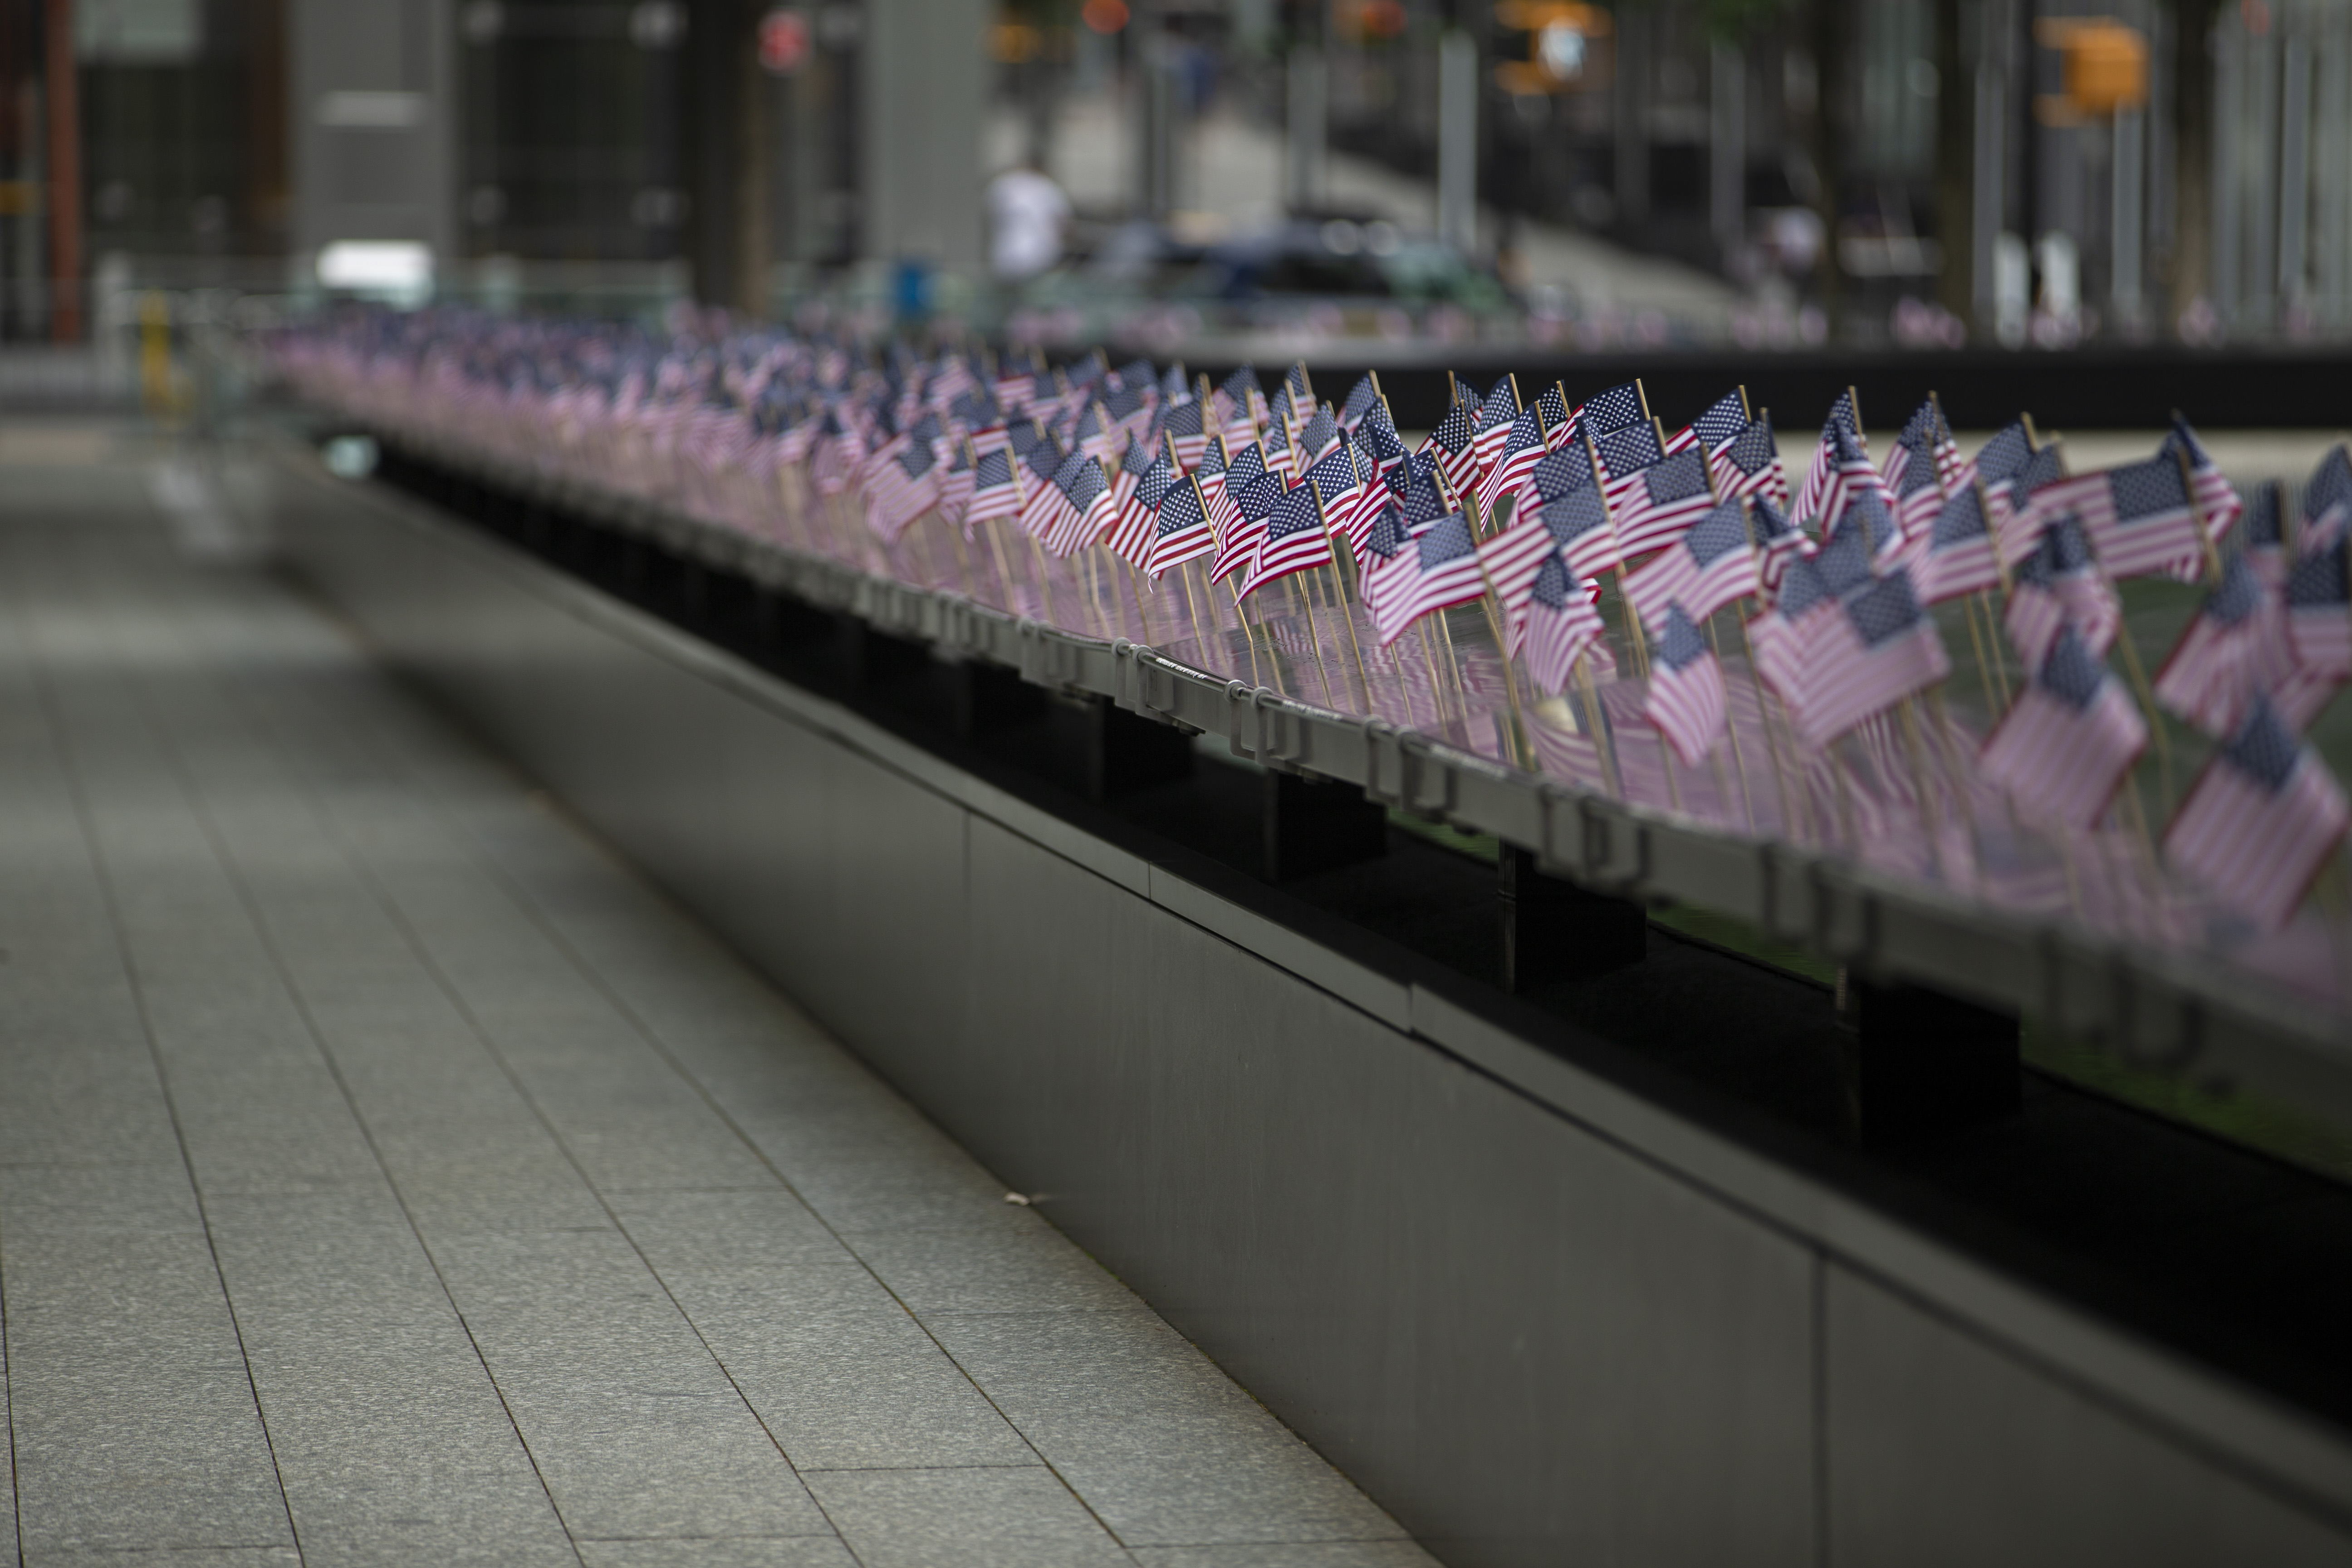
(169, 1557)
(1018, 1517)
(737, 1552)
(1160, 1442)
(1289, 1554)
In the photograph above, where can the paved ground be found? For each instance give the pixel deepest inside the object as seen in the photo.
(387, 1175)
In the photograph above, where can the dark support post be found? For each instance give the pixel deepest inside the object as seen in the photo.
(1311, 826)
(1916, 1061)
(869, 659)
(1555, 930)
(1125, 753)
(986, 698)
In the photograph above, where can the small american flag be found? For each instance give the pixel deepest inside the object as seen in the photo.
(1318, 436)
(2004, 456)
(1749, 464)
(1301, 390)
(1663, 500)
(1578, 523)
(1387, 559)
(1046, 506)
(2061, 585)
(2328, 495)
(1451, 444)
(1829, 456)
(1848, 477)
(1551, 406)
(2217, 498)
(1437, 570)
(1212, 473)
(2234, 650)
(1562, 625)
(1515, 458)
(1255, 502)
(1363, 398)
(1086, 514)
(1339, 482)
(1705, 569)
(1132, 536)
(995, 489)
(1955, 556)
(1297, 539)
(1865, 516)
(2016, 524)
(2318, 629)
(2262, 543)
(1183, 527)
(956, 486)
(1623, 454)
(1918, 470)
(1716, 428)
(2260, 822)
(1184, 427)
(1606, 413)
(1512, 559)
(1377, 439)
(904, 491)
(1557, 474)
(1781, 540)
(1880, 650)
(1495, 417)
(2140, 517)
(2062, 749)
(1686, 700)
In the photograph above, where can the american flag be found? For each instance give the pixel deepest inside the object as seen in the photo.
(2260, 822)
(1318, 436)
(1578, 523)
(2016, 525)
(1702, 571)
(1132, 465)
(1606, 413)
(1879, 650)
(1716, 428)
(1363, 398)
(2061, 583)
(2139, 516)
(2234, 650)
(1685, 701)
(2328, 495)
(2318, 629)
(1785, 637)
(1623, 454)
(1512, 559)
(1829, 454)
(904, 491)
(1297, 539)
(1048, 504)
(955, 487)
(1865, 516)
(1663, 500)
(1086, 514)
(1559, 473)
(1451, 444)
(1495, 417)
(1184, 427)
(2262, 543)
(1389, 559)
(1515, 458)
(1301, 390)
(1847, 474)
(2062, 749)
(1212, 472)
(1255, 502)
(1955, 556)
(1781, 541)
(1377, 439)
(2217, 498)
(1183, 527)
(1339, 482)
(995, 489)
(1551, 406)
(1436, 570)
(1749, 464)
(1918, 470)
(1562, 624)
(2004, 456)
(1138, 525)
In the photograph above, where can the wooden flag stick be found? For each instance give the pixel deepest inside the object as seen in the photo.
(2196, 508)
(1346, 613)
(1436, 690)
(1454, 662)
(1315, 638)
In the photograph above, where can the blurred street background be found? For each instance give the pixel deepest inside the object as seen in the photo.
(1376, 180)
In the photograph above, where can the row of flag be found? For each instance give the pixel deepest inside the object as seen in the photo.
(1544, 513)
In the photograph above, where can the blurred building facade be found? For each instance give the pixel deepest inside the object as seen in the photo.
(1927, 172)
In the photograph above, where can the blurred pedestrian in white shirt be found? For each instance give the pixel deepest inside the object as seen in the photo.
(1025, 213)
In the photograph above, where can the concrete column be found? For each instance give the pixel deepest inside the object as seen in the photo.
(372, 123)
(924, 77)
